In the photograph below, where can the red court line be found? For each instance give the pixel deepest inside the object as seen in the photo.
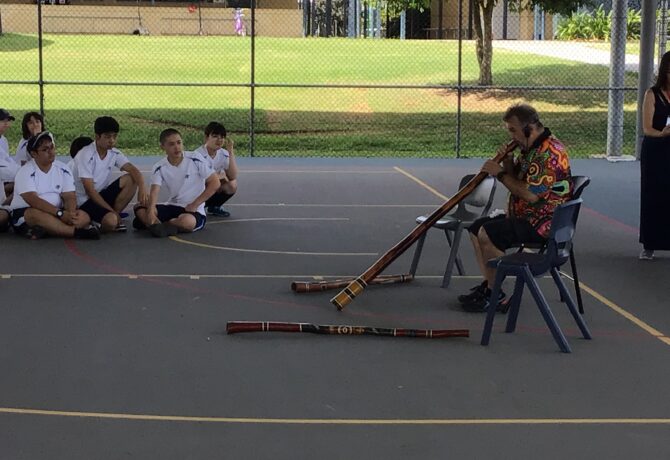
(612, 221)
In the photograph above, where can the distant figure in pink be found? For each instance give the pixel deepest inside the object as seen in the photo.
(240, 28)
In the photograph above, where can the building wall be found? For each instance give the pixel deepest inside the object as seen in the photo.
(21, 18)
(520, 26)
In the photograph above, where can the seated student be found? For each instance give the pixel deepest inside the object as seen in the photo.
(222, 161)
(8, 166)
(44, 201)
(32, 124)
(98, 194)
(189, 180)
(76, 145)
(4, 212)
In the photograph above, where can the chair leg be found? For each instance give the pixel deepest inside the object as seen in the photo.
(575, 277)
(546, 311)
(459, 261)
(491, 312)
(570, 303)
(453, 254)
(514, 304)
(417, 254)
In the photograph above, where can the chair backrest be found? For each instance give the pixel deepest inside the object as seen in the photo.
(579, 183)
(482, 196)
(563, 226)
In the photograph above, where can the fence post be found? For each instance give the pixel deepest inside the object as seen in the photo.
(252, 112)
(459, 89)
(40, 57)
(646, 70)
(617, 74)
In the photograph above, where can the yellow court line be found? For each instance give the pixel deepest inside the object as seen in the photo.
(264, 251)
(422, 183)
(626, 314)
(199, 276)
(265, 219)
(304, 171)
(326, 421)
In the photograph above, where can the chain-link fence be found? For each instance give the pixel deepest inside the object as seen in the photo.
(319, 78)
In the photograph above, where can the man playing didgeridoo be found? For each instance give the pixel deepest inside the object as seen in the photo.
(538, 180)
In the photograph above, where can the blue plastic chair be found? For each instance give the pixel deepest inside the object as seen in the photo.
(477, 204)
(527, 266)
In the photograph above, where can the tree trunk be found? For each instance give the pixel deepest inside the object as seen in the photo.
(483, 19)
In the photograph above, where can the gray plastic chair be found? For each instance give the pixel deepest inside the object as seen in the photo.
(526, 266)
(455, 222)
(579, 183)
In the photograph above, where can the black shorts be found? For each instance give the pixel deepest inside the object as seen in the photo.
(109, 194)
(506, 232)
(165, 212)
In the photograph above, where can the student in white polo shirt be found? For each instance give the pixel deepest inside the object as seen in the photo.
(32, 124)
(8, 166)
(189, 181)
(98, 194)
(222, 160)
(44, 201)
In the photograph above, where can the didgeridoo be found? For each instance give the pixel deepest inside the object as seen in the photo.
(359, 284)
(234, 327)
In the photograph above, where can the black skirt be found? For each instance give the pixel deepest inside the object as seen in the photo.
(655, 193)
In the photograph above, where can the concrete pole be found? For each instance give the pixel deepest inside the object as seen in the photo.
(351, 18)
(403, 25)
(646, 72)
(617, 73)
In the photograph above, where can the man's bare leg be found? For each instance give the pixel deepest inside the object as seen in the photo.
(488, 251)
(128, 190)
(52, 224)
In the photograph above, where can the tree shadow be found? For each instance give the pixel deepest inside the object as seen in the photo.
(10, 42)
(533, 83)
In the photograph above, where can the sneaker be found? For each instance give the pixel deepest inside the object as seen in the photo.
(121, 227)
(647, 254)
(219, 211)
(482, 305)
(89, 233)
(138, 224)
(476, 293)
(163, 230)
(35, 233)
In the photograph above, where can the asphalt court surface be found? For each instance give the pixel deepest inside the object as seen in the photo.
(117, 348)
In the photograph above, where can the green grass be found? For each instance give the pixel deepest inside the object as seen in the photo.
(299, 121)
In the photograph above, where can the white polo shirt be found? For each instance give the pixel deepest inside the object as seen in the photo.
(48, 186)
(8, 167)
(22, 152)
(89, 165)
(219, 163)
(185, 182)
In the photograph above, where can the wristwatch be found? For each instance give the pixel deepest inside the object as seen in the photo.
(59, 213)
(500, 175)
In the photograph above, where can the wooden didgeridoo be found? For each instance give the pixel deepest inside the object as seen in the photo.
(358, 285)
(233, 327)
(318, 286)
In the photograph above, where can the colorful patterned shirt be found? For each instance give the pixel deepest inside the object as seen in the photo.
(546, 170)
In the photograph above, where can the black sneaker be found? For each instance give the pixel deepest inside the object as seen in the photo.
(121, 228)
(217, 211)
(138, 224)
(482, 305)
(90, 233)
(163, 230)
(476, 294)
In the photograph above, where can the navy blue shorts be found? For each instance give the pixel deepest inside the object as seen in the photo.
(109, 194)
(165, 212)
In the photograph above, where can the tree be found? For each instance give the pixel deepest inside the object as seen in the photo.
(483, 30)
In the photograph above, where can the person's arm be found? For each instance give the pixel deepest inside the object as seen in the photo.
(94, 195)
(33, 200)
(648, 117)
(212, 184)
(142, 195)
(231, 172)
(516, 187)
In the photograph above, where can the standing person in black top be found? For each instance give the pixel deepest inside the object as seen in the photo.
(655, 164)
